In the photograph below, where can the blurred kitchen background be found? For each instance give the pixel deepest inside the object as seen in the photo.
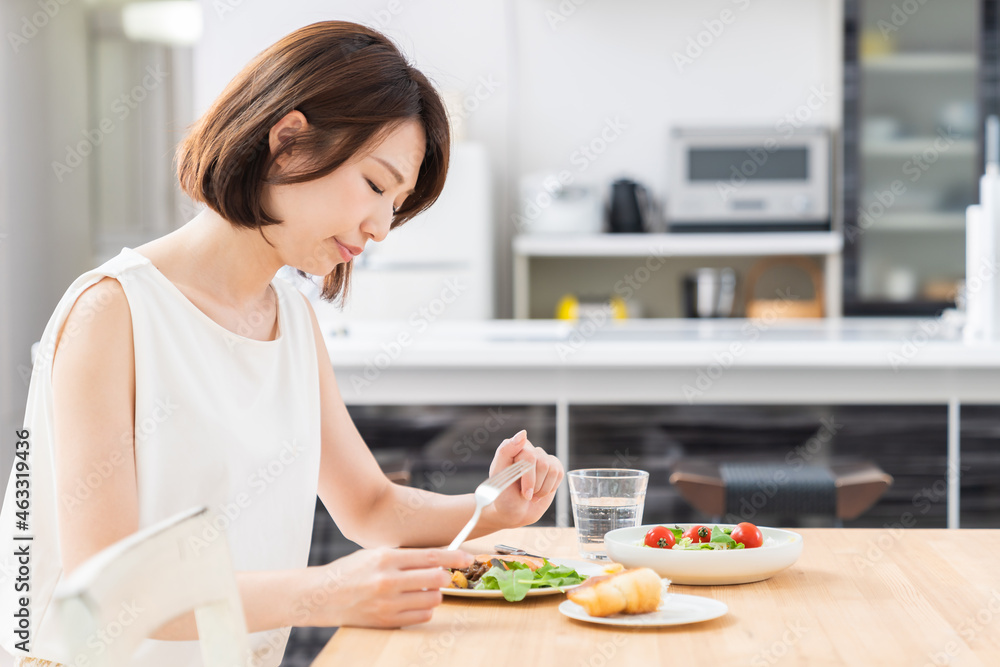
(590, 136)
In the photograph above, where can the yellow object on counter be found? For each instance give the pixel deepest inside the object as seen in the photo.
(569, 308)
(876, 44)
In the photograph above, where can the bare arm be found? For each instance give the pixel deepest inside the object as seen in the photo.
(93, 393)
(372, 511)
(379, 588)
(271, 599)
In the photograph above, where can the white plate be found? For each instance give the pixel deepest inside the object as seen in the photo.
(581, 566)
(704, 567)
(675, 609)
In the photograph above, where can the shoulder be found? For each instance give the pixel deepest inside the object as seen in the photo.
(106, 292)
(296, 297)
(312, 314)
(288, 285)
(105, 300)
(100, 314)
(322, 355)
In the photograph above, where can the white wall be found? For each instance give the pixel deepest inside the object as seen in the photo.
(617, 60)
(557, 82)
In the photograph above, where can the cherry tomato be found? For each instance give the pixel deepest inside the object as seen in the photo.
(698, 534)
(748, 535)
(660, 537)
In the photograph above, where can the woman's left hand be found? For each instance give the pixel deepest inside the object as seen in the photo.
(524, 501)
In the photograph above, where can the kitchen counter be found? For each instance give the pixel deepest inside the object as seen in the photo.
(650, 361)
(855, 342)
(734, 361)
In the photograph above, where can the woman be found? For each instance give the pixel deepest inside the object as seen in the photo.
(182, 373)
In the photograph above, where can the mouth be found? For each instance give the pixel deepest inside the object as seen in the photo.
(347, 252)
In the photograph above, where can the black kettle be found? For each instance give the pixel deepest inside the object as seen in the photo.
(628, 206)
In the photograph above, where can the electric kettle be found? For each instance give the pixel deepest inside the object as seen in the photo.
(629, 201)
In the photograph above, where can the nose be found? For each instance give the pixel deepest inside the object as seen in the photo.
(377, 226)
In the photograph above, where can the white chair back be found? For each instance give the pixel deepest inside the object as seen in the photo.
(125, 592)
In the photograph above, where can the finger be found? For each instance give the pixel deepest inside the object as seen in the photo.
(411, 559)
(411, 581)
(544, 475)
(543, 468)
(508, 450)
(528, 453)
(552, 481)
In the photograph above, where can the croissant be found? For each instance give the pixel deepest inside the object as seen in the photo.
(635, 591)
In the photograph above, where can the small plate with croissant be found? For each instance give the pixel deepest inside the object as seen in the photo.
(637, 597)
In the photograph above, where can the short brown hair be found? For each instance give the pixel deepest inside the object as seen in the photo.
(353, 86)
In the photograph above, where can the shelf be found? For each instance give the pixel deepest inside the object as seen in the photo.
(921, 63)
(689, 245)
(904, 148)
(884, 308)
(950, 222)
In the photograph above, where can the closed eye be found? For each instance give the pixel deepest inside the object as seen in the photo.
(395, 209)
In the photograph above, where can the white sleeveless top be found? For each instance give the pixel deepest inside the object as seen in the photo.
(220, 420)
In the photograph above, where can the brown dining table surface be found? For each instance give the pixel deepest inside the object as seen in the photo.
(886, 596)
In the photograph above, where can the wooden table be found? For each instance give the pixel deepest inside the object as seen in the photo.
(855, 597)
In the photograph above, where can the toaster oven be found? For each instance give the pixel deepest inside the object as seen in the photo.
(749, 180)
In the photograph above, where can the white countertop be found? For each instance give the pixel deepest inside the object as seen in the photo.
(848, 342)
(669, 362)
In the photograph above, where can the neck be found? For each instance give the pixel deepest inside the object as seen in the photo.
(236, 261)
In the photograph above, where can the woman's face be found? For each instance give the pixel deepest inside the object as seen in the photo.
(329, 220)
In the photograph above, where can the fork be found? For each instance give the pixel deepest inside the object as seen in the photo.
(489, 491)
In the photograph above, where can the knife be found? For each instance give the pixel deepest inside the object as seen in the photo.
(513, 551)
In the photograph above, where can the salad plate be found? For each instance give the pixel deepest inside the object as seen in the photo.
(675, 609)
(585, 568)
(780, 549)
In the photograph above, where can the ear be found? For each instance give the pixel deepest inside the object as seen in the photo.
(290, 124)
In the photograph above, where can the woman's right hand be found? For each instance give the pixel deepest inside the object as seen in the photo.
(379, 588)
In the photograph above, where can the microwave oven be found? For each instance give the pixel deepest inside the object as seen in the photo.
(749, 180)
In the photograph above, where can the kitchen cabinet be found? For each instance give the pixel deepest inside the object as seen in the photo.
(648, 268)
(914, 102)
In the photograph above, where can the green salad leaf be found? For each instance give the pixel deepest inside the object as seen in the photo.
(514, 583)
(719, 536)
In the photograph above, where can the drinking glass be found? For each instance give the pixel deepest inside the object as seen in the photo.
(605, 499)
